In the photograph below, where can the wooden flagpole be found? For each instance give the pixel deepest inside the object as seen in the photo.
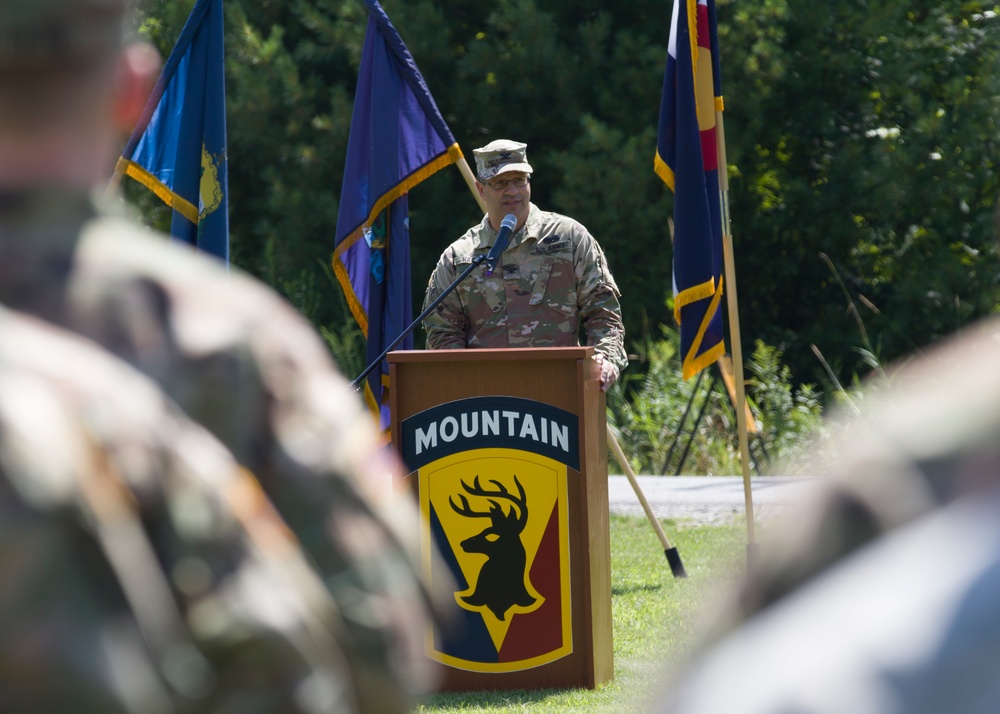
(470, 181)
(116, 179)
(734, 336)
(673, 557)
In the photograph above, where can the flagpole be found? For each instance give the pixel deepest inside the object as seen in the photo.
(673, 557)
(725, 365)
(470, 181)
(734, 336)
(116, 179)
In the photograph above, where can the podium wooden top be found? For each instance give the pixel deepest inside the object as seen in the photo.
(488, 355)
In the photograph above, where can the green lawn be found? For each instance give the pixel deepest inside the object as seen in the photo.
(655, 616)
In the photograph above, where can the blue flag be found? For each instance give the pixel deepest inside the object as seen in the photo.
(687, 161)
(178, 148)
(398, 138)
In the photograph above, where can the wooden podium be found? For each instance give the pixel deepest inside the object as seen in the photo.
(508, 456)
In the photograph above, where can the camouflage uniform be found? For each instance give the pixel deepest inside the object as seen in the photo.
(243, 363)
(141, 569)
(924, 439)
(888, 575)
(231, 353)
(552, 279)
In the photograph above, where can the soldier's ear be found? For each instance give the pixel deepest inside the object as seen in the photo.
(138, 69)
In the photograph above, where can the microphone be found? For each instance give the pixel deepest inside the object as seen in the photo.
(503, 235)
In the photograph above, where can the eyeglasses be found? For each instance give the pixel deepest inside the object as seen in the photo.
(501, 184)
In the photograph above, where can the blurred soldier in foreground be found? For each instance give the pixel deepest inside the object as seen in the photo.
(141, 569)
(233, 355)
(880, 596)
(552, 278)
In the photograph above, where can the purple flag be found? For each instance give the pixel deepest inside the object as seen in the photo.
(398, 138)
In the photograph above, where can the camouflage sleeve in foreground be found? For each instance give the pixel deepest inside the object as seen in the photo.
(884, 581)
(925, 437)
(141, 569)
(247, 365)
(240, 361)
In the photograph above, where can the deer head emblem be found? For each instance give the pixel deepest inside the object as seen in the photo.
(500, 585)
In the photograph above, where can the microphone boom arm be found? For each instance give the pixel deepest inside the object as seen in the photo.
(476, 261)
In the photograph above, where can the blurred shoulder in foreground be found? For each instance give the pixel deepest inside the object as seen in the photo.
(879, 594)
(141, 569)
(232, 354)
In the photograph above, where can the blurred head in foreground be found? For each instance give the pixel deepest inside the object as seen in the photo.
(141, 569)
(73, 81)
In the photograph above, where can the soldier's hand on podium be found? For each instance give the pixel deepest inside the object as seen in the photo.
(609, 373)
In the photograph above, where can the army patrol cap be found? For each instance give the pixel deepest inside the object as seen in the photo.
(499, 157)
(50, 33)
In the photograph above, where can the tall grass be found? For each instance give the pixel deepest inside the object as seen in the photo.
(675, 426)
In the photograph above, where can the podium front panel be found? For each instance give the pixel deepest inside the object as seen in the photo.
(508, 457)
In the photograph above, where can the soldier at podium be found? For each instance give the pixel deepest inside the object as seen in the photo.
(552, 278)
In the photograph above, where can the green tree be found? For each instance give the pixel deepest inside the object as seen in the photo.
(865, 131)
(290, 74)
(580, 83)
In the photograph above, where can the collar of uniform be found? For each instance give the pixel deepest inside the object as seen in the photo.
(530, 229)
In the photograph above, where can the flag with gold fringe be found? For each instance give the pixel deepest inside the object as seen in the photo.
(398, 138)
(178, 148)
(687, 161)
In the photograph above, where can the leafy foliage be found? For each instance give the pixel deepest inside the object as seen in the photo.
(788, 418)
(865, 132)
(673, 426)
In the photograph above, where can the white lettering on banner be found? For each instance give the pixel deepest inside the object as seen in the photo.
(505, 423)
(427, 439)
(560, 436)
(511, 416)
(449, 428)
(528, 428)
(470, 430)
(491, 423)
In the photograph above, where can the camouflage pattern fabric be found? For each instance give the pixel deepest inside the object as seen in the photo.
(924, 438)
(553, 278)
(240, 361)
(500, 157)
(879, 591)
(141, 569)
